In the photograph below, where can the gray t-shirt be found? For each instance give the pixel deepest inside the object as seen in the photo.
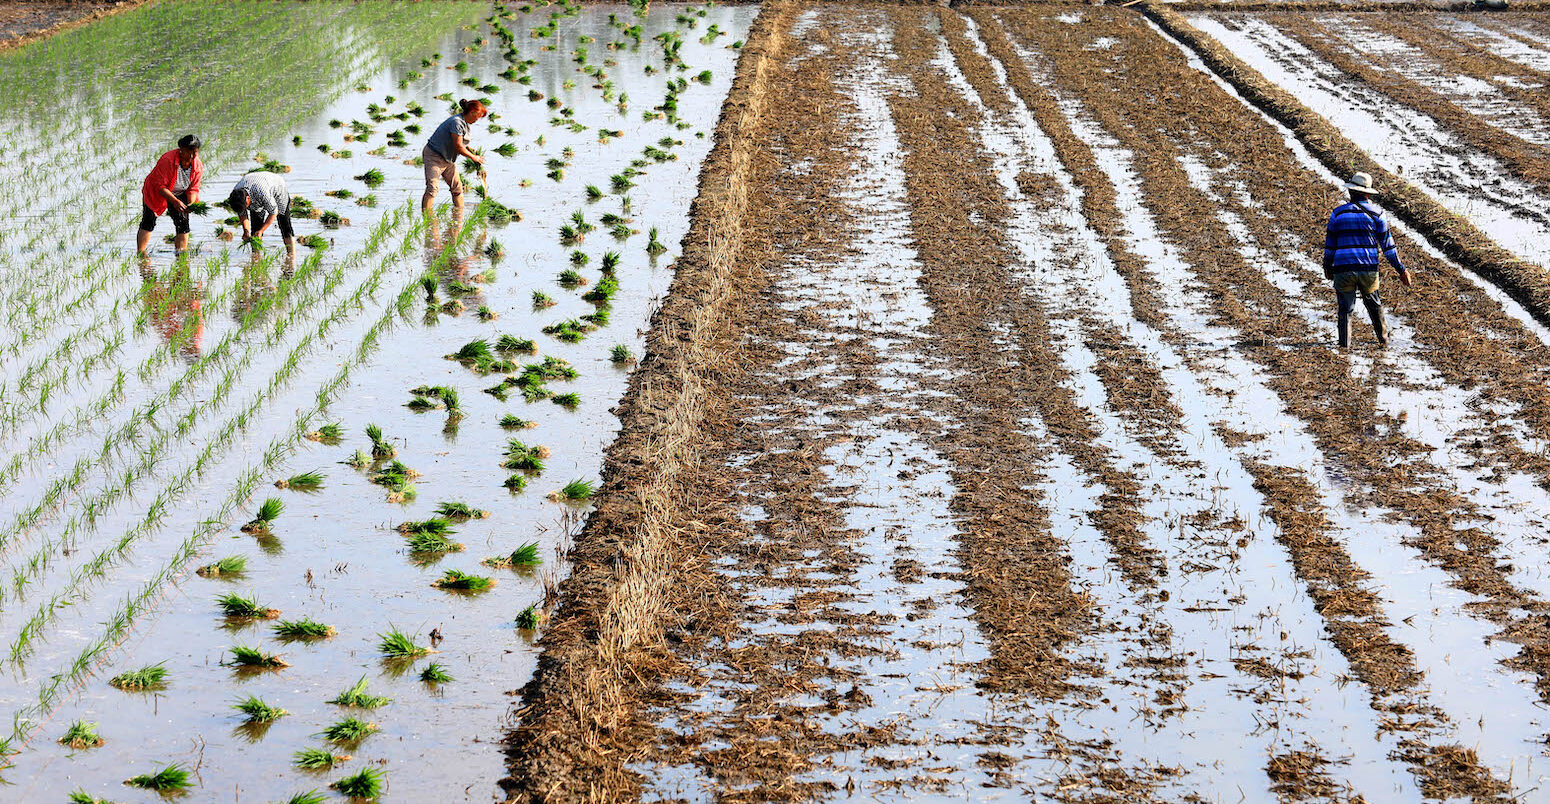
(266, 194)
(441, 141)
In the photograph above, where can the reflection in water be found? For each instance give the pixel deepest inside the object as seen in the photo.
(175, 304)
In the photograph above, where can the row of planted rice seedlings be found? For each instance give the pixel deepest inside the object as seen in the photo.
(29, 572)
(280, 447)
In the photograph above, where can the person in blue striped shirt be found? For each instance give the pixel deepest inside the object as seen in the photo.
(1356, 235)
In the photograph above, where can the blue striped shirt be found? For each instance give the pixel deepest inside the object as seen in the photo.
(1355, 236)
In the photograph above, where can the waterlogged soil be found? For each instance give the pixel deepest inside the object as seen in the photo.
(1023, 464)
(335, 555)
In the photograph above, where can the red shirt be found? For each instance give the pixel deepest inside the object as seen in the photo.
(165, 175)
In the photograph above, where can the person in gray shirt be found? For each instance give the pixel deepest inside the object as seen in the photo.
(261, 199)
(447, 143)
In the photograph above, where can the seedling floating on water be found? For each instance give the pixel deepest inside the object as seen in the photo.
(654, 246)
(380, 448)
(80, 735)
(170, 779)
(475, 351)
(305, 628)
(575, 491)
(313, 241)
(486, 314)
(428, 284)
(330, 434)
(529, 618)
(357, 696)
(523, 458)
(372, 177)
(360, 460)
(524, 556)
(79, 796)
(235, 605)
(513, 422)
(594, 192)
(395, 477)
(542, 300)
(511, 343)
(153, 676)
(309, 797)
(570, 278)
(366, 784)
(224, 568)
(459, 580)
(258, 711)
(495, 251)
(568, 401)
(305, 481)
(349, 731)
(435, 674)
(458, 510)
(268, 512)
(620, 354)
(317, 759)
(243, 656)
(396, 644)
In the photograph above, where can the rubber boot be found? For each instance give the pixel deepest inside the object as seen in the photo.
(1343, 327)
(1380, 325)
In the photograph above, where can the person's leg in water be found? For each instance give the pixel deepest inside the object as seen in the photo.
(143, 236)
(287, 235)
(1374, 307)
(179, 226)
(455, 185)
(1347, 300)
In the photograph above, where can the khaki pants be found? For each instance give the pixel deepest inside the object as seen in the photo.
(437, 170)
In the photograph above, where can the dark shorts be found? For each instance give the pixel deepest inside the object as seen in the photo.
(1356, 281)
(179, 219)
(283, 221)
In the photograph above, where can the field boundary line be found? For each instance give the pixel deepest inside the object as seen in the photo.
(615, 601)
(1454, 236)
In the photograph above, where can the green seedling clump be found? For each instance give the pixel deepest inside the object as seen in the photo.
(305, 628)
(329, 434)
(313, 241)
(243, 656)
(570, 330)
(485, 313)
(366, 784)
(575, 491)
(395, 477)
(268, 512)
(372, 177)
(475, 351)
(305, 481)
(524, 556)
(621, 354)
(462, 581)
(529, 618)
(432, 543)
(81, 734)
(380, 448)
(435, 674)
(542, 300)
(79, 796)
(513, 422)
(357, 696)
(523, 458)
(568, 401)
(395, 644)
(170, 779)
(515, 483)
(317, 759)
(152, 676)
(235, 605)
(309, 797)
(507, 344)
(360, 460)
(458, 510)
(349, 731)
(226, 567)
(654, 246)
(258, 711)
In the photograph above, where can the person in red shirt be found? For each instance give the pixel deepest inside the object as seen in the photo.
(172, 185)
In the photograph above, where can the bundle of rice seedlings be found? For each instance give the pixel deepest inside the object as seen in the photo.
(395, 476)
(80, 735)
(434, 673)
(395, 644)
(224, 568)
(257, 710)
(372, 177)
(486, 313)
(268, 512)
(529, 618)
(542, 300)
(236, 606)
(359, 460)
(171, 779)
(356, 695)
(475, 351)
(333, 220)
(80, 796)
(420, 403)
(305, 481)
(523, 458)
(431, 544)
(512, 421)
(317, 759)
(305, 628)
(515, 483)
(458, 510)
(461, 288)
(309, 797)
(507, 344)
(579, 259)
(524, 556)
(329, 434)
(380, 448)
(244, 656)
(367, 784)
(570, 330)
(462, 581)
(348, 731)
(428, 284)
(654, 246)
(508, 149)
(152, 676)
(567, 400)
(578, 490)
(598, 317)
(494, 251)
(312, 241)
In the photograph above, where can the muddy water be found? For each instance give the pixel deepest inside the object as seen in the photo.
(335, 556)
(1405, 141)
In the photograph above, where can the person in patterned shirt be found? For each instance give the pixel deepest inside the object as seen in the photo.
(260, 200)
(1355, 236)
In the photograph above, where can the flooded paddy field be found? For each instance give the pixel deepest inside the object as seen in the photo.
(812, 401)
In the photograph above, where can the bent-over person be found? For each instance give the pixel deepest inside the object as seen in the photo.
(1355, 237)
(168, 190)
(446, 144)
(260, 200)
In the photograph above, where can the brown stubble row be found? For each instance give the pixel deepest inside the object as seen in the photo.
(1459, 56)
(1146, 95)
(1526, 160)
(583, 719)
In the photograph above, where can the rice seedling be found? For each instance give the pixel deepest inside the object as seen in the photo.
(309, 797)
(224, 568)
(577, 490)
(332, 219)
(368, 200)
(395, 644)
(569, 331)
(621, 354)
(604, 291)
(529, 618)
(330, 434)
(510, 343)
(360, 460)
(428, 284)
(654, 246)
(459, 510)
(567, 400)
(348, 731)
(237, 606)
(579, 258)
(341, 193)
(524, 556)
(569, 236)
(395, 476)
(542, 300)
(357, 696)
(524, 458)
(475, 351)
(79, 796)
(420, 403)
(620, 183)
(434, 673)
(305, 628)
(485, 313)
(462, 581)
(317, 759)
(244, 656)
(380, 448)
(152, 676)
(486, 276)
(452, 307)
(570, 278)
(312, 241)
(81, 734)
(461, 288)
(367, 784)
(621, 231)
(171, 779)
(494, 251)
(594, 192)
(515, 483)
(432, 544)
(259, 711)
(268, 512)
(598, 317)
(513, 422)
(304, 481)
(372, 177)
(610, 262)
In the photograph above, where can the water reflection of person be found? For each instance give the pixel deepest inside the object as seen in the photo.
(176, 306)
(171, 186)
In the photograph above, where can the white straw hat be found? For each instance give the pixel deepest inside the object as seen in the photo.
(1361, 183)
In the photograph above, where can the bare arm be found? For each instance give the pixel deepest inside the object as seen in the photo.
(462, 148)
(173, 200)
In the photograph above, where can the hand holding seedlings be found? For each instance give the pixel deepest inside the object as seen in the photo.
(259, 200)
